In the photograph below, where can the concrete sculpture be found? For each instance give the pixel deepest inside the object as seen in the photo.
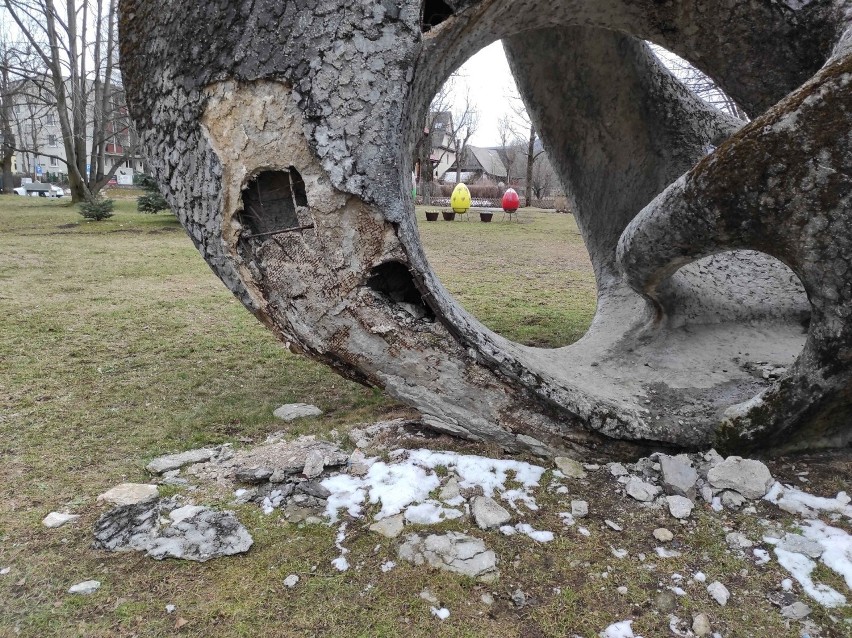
(282, 132)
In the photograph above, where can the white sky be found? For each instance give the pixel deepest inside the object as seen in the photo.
(490, 80)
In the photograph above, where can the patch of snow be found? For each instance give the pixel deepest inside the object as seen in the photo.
(837, 547)
(787, 584)
(340, 563)
(795, 501)
(699, 577)
(536, 535)
(430, 513)
(619, 630)
(410, 477)
(762, 556)
(508, 530)
(584, 531)
(567, 518)
(387, 566)
(442, 614)
(513, 496)
(618, 553)
(663, 552)
(801, 567)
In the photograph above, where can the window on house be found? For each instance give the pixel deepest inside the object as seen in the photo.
(54, 161)
(51, 141)
(51, 119)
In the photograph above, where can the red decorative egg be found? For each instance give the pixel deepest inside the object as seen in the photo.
(511, 201)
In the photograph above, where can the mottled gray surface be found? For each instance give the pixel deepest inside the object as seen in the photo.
(161, 529)
(454, 552)
(706, 266)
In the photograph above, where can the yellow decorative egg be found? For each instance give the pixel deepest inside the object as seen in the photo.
(460, 199)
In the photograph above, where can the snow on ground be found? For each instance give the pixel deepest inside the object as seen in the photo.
(525, 528)
(835, 542)
(619, 630)
(443, 613)
(340, 563)
(404, 485)
(795, 501)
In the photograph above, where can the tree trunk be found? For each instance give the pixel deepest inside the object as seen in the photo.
(530, 161)
(669, 358)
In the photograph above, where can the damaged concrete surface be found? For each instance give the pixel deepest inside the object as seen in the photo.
(162, 529)
(286, 155)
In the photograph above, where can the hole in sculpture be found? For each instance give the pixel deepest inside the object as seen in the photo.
(434, 13)
(271, 200)
(394, 280)
(529, 279)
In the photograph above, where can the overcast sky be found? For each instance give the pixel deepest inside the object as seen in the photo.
(490, 81)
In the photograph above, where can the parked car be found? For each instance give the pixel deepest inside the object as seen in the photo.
(39, 190)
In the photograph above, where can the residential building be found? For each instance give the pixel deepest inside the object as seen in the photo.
(37, 130)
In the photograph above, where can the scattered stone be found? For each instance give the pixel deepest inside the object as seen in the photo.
(488, 513)
(451, 490)
(666, 601)
(719, 592)
(579, 509)
(664, 552)
(375, 435)
(641, 490)
(287, 458)
(622, 590)
(291, 581)
(389, 527)
(86, 588)
(613, 525)
(617, 469)
(56, 519)
(519, 598)
(679, 506)
(358, 465)
(429, 597)
(487, 599)
(796, 611)
(254, 475)
(5, 571)
(663, 535)
(314, 464)
(190, 532)
(293, 411)
(163, 464)
(801, 545)
(678, 476)
(170, 609)
(454, 552)
(732, 500)
(569, 467)
(701, 625)
(313, 488)
(130, 494)
(749, 477)
(736, 540)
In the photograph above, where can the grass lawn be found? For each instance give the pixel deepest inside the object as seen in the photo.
(117, 344)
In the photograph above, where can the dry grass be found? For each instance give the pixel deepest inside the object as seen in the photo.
(119, 344)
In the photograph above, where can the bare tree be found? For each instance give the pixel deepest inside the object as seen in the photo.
(699, 83)
(65, 39)
(7, 93)
(450, 124)
(510, 144)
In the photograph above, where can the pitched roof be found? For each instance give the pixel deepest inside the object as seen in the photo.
(487, 158)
